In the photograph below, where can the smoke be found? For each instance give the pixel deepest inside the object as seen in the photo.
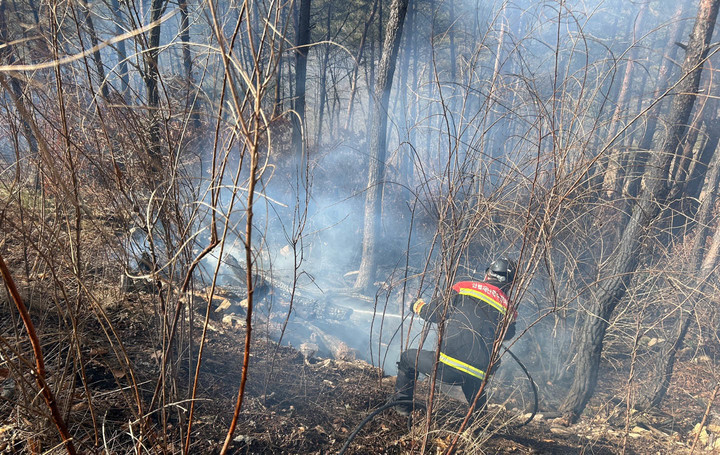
(468, 142)
(310, 237)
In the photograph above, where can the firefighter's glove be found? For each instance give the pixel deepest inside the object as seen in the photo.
(418, 306)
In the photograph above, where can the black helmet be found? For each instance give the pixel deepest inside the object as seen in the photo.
(502, 270)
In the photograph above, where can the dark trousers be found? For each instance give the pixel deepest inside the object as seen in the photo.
(408, 372)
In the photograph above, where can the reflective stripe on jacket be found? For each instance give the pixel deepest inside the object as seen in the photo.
(492, 295)
(462, 366)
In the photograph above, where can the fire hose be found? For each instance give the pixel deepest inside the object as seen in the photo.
(420, 405)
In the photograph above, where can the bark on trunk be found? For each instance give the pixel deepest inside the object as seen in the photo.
(6, 55)
(121, 52)
(152, 75)
(612, 182)
(323, 78)
(301, 53)
(356, 65)
(663, 72)
(625, 260)
(666, 364)
(696, 180)
(278, 105)
(665, 360)
(707, 261)
(711, 258)
(373, 199)
(683, 209)
(641, 157)
(187, 62)
(707, 204)
(97, 58)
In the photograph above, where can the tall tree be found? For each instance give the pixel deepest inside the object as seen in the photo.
(358, 59)
(18, 92)
(120, 50)
(302, 39)
(378, 145)
(97, 58)
(641, 157)
(617, 276)
(152, 80)
(187, 62)
(664, 71)
(323, 76)
(695, 180)
(613, 175)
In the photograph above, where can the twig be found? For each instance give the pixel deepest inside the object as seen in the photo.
(39, 373)
(705, 416)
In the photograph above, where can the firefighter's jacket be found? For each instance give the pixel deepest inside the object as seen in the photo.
(472, 320)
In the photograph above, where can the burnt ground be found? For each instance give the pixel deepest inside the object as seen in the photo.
(309, 405)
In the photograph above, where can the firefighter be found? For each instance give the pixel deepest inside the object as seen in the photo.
(472, 321)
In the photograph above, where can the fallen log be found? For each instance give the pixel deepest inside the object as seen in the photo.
(272, 293)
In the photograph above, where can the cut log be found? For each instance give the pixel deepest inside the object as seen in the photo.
(272, 291)
(337, 348)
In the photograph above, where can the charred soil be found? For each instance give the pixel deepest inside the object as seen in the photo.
(294, 403)
(299, 404)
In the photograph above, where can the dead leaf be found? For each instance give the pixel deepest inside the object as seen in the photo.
(441, 444)
(5, 428)
(80, 406)
(98, 351)
(118, 373)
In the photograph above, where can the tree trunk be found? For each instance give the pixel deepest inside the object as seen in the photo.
(683, 164)
(414, 102)
(711, 257)
(641, 157)
(185, 39)
(697, 175)
(707, 205)
(97, 58)
(121, 52)
(666, 363)
(665, 360)
(451, 36)
(626, 257)
(356, 65)
(406, 116)
(277, 104)
(278, 92)
(152, 76)
(683, 208)
(661, 85)
(373, 199)
(301, 53)
(323, 78)
(187, 62)
(335, 109)
(612, 182)
(7, 56)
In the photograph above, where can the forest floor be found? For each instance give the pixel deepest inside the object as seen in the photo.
(297, 404)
